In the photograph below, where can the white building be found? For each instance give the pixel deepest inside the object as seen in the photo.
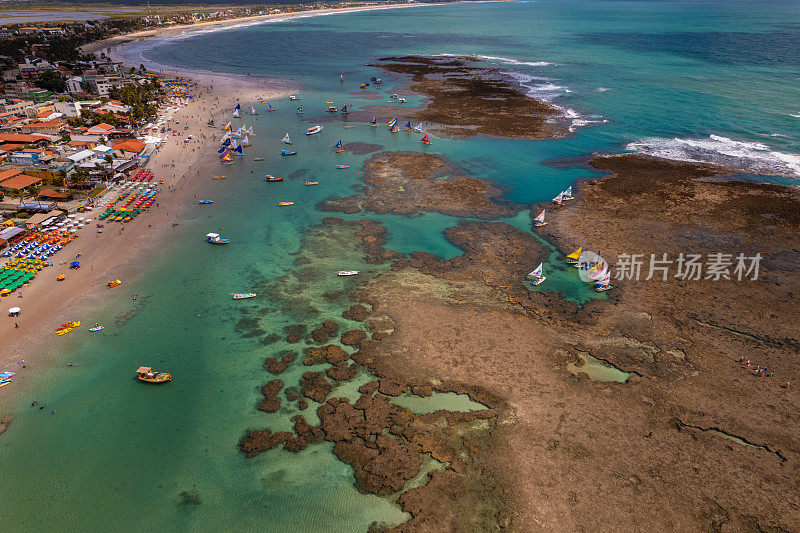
(74, 85)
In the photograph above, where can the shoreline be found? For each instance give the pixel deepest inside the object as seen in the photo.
(116, 253)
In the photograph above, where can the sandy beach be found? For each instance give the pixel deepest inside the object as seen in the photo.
(123, 251)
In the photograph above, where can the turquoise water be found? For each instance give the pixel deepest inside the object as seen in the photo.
(120, 455)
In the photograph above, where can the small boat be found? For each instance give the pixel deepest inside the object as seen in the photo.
(332, 109)
(61, 277)
(341, 77)
(376, 81)
(205, 202)
(574, 256)
(253, 111)
(243, 295)
(364, 85)
(145, 373)
(236, 114)
(286, 139)
(348, 127)
(567, 195)
(294, 97)
(112, 284)
(314, 129)
(217, 177)
(309, 183)
(338, 147)
(347, 272)
(540, 220)
(394, 96)
(401, 100)
(558, 200)
(288, 152)
(345, 109)
(97, 328)
(214, 238)
(426, 140)
(342, 166)
(418, 128)
(300, 110)
(270, 108)
(407, 127)
(270, 177)
(537, 275)
(258, 159)
(374, 122)
(284, 204)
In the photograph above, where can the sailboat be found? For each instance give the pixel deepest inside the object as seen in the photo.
(286, 139)
(574, 256)
(246, 141)
(211, 123)
(253, 111)
(294, 97)
(270, 108)
(374, 122)
(540, 220)
(249, 131)
(236, 113)
(226, 159)
(426, 140)
(341, 77)
(604, 283)
(407, 127)
(537, 275)
(227, 127)
(418, 128)
(393, 126)
(300, 110)
(567, 195)
(598, 272)
(558, 199)
(338, 147)
(238, 151)
(345, 109)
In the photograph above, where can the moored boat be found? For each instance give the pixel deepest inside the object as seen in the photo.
(347, 272)
(215, 238)
(294, 97)
(309, 183)
(339, 147)
(314, 129)
(258, 159)
(205, 202)
(145, 373)
(243, 295)
(217, 177)
(270, 177)
(425, 140)
(342, 166)
(286, 139)
(574, 256)
(288, 152)
(284, 204)
(115, 283)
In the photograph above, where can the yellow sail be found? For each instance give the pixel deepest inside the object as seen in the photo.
(227, 157)
(576, 254)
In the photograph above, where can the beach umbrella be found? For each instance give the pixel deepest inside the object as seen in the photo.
(14, 311)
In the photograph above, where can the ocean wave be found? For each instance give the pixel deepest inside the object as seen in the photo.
(749, 156)
(602, 89)
(794, 115)
(499, 59)
(542, 89)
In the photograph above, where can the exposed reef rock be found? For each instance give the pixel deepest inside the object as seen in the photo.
(259, 441)
(407, 183)
(467, 98)
(315, 387)
(272, 402)
(354, 337)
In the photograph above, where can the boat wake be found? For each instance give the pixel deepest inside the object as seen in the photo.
(742, 155)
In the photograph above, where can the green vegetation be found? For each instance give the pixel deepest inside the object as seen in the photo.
(141, 98)
(53, 81)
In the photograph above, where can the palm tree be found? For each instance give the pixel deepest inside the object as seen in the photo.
(109, 159)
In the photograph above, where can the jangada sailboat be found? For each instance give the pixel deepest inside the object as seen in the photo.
(567, 195)
(574, 256)
(253, 111)
(536, 275)
(539, 220)
(286, 139)
(374, 122)
(418, 128)
(407, 127)
(426, 140)
(338, 147)
(393, 126)
(558, 200)
(604, 283)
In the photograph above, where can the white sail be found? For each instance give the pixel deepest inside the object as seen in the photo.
(558, 198)
(253, 110)
(246, 141)
(537, 272)
(236, 114)
(598, 273)
(540, 218)
(249, 131)
(286, 139)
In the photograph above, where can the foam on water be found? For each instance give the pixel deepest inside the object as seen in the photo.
(750, 156)
(499, 59)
